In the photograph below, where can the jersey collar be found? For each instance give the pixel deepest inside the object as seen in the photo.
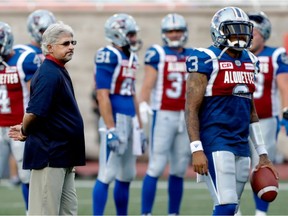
(54, 60)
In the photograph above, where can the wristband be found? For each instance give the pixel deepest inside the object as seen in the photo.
(261, 150)
(111, 129)
(196, 146)
(22, 131)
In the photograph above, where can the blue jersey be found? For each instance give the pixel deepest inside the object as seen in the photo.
(169, 90)
(36, 49)
(115, 71)
(31, 61)
(225, 112)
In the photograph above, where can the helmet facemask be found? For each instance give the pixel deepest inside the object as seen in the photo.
(174, 22)
(6, 39)
(236, 35)
(175, 43)
(134, 45)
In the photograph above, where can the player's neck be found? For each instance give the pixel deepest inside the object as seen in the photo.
(35, 44)
(234, 53)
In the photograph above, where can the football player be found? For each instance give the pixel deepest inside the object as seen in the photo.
(163, 91)
(220, 110)
(37, 22)
(273, 76)
(16, 70)
(120, 133)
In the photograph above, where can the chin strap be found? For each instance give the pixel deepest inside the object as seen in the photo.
(218, 57)
(254, 60)
(131, 57)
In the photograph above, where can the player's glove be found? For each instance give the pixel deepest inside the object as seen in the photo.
(145, 110)
(112, 140)
(144, 141)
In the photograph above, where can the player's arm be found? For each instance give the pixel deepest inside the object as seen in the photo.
(195, 90)
(199, 71)
(150, 74)
(105, 62)
(105, 107)
(149, 81)
(282, 82)
(136, 104)
(255, 135)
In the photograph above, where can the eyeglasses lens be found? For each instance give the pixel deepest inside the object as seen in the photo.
(67, 43)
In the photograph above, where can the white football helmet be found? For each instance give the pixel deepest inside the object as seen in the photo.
(261, 21)
(231, 21)
(6, 39)
(170, 22)
(118, 26)
(37, 22)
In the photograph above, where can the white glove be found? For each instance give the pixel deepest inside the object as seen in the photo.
(145, 110)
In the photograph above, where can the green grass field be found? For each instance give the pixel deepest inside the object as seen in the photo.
(196, 200)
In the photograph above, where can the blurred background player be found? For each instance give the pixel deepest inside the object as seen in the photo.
(116, 67)
(16, 69)
(164, 89)
(220, 110)
(273, 76)
(37, 22)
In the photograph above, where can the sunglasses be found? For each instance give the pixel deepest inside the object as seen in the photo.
(67, 43)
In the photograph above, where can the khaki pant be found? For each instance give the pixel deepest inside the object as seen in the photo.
(52, 192)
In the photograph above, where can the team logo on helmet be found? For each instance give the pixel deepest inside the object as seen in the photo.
(36, 20)
(117, 28)
(119, 24)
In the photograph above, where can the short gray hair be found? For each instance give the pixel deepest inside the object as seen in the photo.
(52, 34)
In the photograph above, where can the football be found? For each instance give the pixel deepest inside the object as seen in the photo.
(264, 184)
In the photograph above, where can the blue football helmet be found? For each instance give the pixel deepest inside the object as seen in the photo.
(118, 26)
(231, 22)
(37, 22)
(6, 39)
(171, 22)
(261, 21)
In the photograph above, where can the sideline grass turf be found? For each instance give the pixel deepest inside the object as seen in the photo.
(196, 200)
